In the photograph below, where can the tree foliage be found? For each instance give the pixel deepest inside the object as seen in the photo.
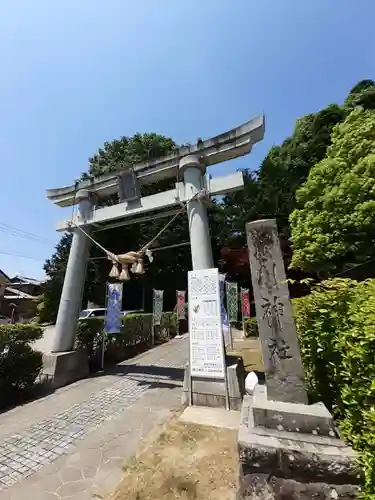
(362, 94)
(55, 271)
(128, 151)
(336, 222)
(287, 166)
(270, 192)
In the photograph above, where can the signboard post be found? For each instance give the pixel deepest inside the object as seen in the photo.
(207, 349)
(112, 323)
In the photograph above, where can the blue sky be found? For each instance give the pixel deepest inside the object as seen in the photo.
(77, 73)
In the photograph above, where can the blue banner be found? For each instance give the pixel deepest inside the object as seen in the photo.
(224, 315)
(114, 306)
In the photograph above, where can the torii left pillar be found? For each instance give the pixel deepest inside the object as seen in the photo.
(65, 365)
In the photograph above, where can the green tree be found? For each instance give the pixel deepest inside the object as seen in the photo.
(335, 224)
(362, 94)
(270, 192)
(55, 271)
(128, 151)
(287, 166)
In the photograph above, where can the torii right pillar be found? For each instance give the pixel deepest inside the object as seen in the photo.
(202, 391)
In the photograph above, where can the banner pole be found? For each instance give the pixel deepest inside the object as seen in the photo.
(190, 382)
(103, 348)
(153, 319)
(227, 399)
(103, 331)
(242, 314)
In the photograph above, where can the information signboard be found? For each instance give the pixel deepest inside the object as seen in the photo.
(205, 324)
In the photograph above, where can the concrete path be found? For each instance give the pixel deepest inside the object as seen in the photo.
(72, 444)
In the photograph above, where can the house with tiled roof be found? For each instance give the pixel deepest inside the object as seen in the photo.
(19, 293)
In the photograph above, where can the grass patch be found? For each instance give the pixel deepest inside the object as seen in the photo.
(186, 462)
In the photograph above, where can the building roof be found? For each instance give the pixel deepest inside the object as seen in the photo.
(23, 280)
(3, 274)
(13, 293)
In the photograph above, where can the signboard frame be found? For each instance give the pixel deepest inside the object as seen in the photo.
(207, 350)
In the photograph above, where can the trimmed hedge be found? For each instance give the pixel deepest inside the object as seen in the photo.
(135, 335)
(20, 364)
(336, 327)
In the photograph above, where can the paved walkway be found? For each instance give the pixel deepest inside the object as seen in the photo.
(72, 444)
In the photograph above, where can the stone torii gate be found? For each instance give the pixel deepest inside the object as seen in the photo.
(189, 164)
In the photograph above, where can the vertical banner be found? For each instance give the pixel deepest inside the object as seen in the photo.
(245, 302)
(181, 294)
(114, 306)
(232, 301)
(224, 316)
(157, 309)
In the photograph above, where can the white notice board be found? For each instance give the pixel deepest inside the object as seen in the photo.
(205, 328)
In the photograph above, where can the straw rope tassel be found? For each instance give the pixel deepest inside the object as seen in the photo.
(124, 275)
(138, 267)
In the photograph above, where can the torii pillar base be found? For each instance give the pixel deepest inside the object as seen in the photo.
(63, 368)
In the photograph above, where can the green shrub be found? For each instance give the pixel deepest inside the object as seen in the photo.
(251, 327)
(336, 327)
(136, 332)
(20, 365)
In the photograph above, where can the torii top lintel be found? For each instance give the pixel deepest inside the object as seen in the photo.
(232, 144)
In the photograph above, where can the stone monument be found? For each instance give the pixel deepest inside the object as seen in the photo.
(288, 449)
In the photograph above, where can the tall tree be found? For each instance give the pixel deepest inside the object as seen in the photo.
(128, 151)
(362, 94)
(287, 166)
(270, 192)
(335, 224)
(55, 271)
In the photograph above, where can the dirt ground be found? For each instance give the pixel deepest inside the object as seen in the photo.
(186, 462)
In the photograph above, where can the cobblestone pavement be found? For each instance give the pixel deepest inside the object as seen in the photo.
(44, 447)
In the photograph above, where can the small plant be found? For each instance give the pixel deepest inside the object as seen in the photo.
(251, 327)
